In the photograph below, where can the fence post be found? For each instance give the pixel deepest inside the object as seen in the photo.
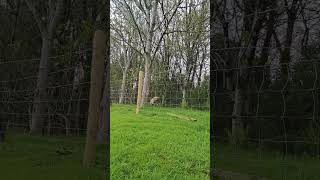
(140, 81)
(96, 86)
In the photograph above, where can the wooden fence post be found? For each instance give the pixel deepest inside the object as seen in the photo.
(96, 86)
(140, 82)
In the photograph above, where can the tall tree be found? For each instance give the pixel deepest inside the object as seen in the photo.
(145, 19)
(47, 22)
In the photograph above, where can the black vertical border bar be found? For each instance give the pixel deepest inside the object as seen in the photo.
(211, 91)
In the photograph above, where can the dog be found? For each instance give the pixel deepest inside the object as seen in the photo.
(155, 100)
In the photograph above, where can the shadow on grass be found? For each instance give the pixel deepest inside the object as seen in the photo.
(51, 158)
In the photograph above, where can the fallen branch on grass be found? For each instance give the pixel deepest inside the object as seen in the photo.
(182, 117)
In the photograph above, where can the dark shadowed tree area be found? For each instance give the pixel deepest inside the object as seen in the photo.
(265, 58)
(45, 63)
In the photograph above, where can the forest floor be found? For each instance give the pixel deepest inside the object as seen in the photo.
(158, 144)
(47, 158)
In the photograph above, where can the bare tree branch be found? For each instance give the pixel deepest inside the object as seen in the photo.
(37, 17)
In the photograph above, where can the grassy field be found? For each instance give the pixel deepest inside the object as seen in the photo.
(155, 145)
(150, 145)
(270, 165)
(39, 158)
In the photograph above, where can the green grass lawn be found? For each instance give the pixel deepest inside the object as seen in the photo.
(150, 145)
(270, 165)
(25, 157)
(155, 145)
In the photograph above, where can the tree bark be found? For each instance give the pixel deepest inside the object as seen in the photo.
(123, 85)
(40, 98)
(285, 56)
(237, 110)
(151, 16)
(46, 29)
(146, 81)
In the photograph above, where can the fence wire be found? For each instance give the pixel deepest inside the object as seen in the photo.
(68, 95)
(264, 89)
(68, 76)
(166, 90)
(267, 118)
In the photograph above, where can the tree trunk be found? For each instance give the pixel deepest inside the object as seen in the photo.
(285, 56)
(184, 100)
(146, 80)
(151, 16)
(236, 114)
(123, 85)
(40, 97)
(46, 29)
(77, 117)
(68, 117)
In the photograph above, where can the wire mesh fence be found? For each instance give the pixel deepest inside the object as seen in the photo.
(45, 69)
(167, 89)
(267, 116)
(170, 129)
(160, 89)
(67, 91)
(63, 32)
(264, 88)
